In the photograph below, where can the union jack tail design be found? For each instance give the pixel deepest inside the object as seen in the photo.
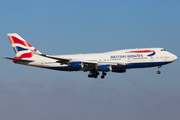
(21, 47)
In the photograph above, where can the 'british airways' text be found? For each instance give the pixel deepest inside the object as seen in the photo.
(126, 56)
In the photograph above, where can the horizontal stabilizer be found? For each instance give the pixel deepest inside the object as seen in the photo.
(22, 60)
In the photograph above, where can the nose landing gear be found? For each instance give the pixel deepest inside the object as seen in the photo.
(158, 72)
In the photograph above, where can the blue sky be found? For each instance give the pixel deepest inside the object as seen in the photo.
(81, 26)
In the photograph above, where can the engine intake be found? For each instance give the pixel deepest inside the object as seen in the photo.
(103, 68)
(75, 65)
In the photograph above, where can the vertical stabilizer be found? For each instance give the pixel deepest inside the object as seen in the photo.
(21, 47)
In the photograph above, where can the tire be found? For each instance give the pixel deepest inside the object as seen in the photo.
(158, 72)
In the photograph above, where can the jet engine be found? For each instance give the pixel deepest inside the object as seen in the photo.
(75, 65)
(103, 68)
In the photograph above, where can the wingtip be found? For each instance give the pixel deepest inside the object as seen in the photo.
(5, 57)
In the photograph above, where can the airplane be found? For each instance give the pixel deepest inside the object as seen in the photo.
(115, 61)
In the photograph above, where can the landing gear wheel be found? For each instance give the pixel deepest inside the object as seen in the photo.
(93, 74)
(104, 73)
(158, 72)
(102, 77)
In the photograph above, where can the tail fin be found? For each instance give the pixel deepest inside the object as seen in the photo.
(22, 48)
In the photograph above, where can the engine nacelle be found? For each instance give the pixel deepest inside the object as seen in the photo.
(103, 68)
(76, 65)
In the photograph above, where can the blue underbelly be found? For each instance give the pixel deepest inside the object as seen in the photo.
(142, 65)
(128, 65)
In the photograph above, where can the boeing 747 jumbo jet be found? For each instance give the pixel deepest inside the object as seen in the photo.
(115, 61)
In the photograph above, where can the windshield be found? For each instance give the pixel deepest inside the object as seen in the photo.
(163, 50)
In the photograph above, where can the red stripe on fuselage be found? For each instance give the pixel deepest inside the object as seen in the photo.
(143, 51)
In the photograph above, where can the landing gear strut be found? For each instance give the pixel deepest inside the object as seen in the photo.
(158, 72)
(103, 75)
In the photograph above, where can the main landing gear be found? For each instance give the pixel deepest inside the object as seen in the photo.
(103, 75)
(158, 72)
(94, 74)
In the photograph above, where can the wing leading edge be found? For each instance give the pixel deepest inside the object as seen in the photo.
(88, 65)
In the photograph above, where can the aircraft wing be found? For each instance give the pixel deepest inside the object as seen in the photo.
(89, 65)
(60, 60)
(89, 62)
(66, 60)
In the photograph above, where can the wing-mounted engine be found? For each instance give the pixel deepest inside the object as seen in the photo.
(103, 67)
(108, 66)
(75, 64)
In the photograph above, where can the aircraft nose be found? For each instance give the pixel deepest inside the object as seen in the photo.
(175, 57)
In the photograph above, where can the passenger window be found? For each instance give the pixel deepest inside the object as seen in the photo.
(163, 50)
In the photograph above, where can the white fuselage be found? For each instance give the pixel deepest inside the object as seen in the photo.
(131, 59)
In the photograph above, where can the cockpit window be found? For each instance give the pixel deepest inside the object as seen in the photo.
(163, 50)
